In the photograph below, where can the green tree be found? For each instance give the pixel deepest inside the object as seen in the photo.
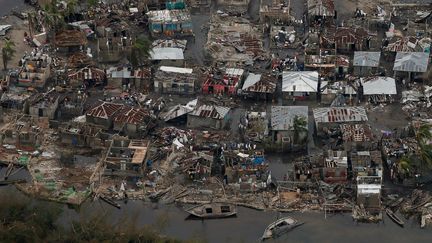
(8, 52)
(423, 137)
(92, 3)
(300, 128)
(71, 6)
(52, 18)
(140, 52)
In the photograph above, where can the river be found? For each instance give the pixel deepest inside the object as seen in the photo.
(248, 226)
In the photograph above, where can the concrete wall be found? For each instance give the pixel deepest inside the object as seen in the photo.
(197, 122)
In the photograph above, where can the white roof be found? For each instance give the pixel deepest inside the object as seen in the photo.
(211, 111)
(251, 80)
(175, 69)
(366, 58)
(302, 81)
(411, 62)
(340, 114)
(167, 53)
(282, 117)
(379, 85)
(234, 72)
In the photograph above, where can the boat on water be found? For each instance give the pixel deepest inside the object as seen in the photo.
(394, 217)
(280, 227)
(213, 210)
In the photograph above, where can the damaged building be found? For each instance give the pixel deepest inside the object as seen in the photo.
(283, 125)
(223, 82)
(126, 156)
(175, 80)
(209, 116)
(260, 86)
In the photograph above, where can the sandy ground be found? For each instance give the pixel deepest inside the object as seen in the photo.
(17, 35)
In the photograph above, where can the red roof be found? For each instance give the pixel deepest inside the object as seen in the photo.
(104, 110)
(131, 115)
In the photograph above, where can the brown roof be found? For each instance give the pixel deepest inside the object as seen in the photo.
(104, 110)
(131, 115)
(68, 38)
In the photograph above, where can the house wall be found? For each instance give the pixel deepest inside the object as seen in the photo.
(180, 88)
(46, 112)
(106, 123)
(172, 63)
(198, 122)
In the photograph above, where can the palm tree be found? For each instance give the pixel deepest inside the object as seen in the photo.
(424, 136)
(300, 127)
(140, 52)
(70, 8)
(52, 18)
(8, 52)
(405, 164)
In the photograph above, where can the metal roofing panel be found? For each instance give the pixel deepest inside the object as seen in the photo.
(175, 69)
(251, 80)
(282, 117)
(300, 81)
(366, 58)
(379, 85)
(167, 53)
(411, 62)
(340, 114)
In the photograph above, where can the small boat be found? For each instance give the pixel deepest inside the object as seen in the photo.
(394, 217)
(213, 210)
(110, 201)
(396, 202)
(280, 227)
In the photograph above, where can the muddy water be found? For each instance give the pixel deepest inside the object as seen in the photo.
(246, 227)
(6, 6)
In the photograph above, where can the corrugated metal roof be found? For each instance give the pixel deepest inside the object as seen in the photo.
(104, 110)
(340, 114)
(234, 72)
(175, 69)
(282, 117)
(379, 85)
(411, 62)
(211, 111)
(366, 58)
(251, 80)
(302, 81)
(167, 53)
(131, 115)
(321, 7)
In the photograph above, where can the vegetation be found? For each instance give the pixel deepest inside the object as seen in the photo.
(52, 18)
(8, 52)
(24, 220)
(300, 129)
(140, 52)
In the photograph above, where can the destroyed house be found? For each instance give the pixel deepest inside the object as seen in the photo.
(328, 117)
(234, 40)
(255, 126)
(87, 76)
(369, 193)
(335, 169)
(347, 40)
(209, 116)
(277, 10)
(127, 156)
(25, 132)
(283, 127)
(174, 80)
(81, 135)
(244, 3)
(178, 113)
(133, 121)
(366, 63)
(35, 71)
(328, 65)
(72, 105)
(175, 22)
(408, 44)
(259, 86)
(223, 82)
(357, 136)
(14, 100)
(367, 163)
(102, 114)
(171, 43)
(125, 76)
(70, 40)
(320, 9)
(44, 105)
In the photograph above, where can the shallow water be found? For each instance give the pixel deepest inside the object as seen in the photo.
(6, 6)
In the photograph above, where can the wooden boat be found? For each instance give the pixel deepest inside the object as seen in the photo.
(280, 227)
(110, 202)
(213, 210)
(394, 217)
(396, 202)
